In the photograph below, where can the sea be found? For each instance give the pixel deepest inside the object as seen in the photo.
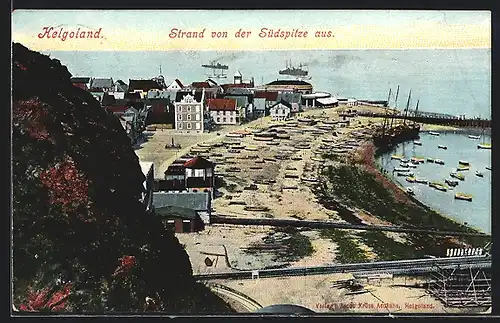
(451, 81)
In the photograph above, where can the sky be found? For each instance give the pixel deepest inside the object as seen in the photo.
(142, 30)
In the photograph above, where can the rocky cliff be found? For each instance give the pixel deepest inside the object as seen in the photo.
(81, 239)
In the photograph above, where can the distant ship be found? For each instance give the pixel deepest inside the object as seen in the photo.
(293, 71)
(217, 66)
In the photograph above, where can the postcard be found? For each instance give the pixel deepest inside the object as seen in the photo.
(195, 162)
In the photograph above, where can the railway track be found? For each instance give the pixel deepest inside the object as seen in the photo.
(337, 225)
(413, 266)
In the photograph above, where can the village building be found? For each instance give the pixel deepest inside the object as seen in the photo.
(194, 175)
(147, 196)
(281, 111)
(119, 89)
(199, 202)
(350, 102)
(81, 82)
(327, 102)
(289, 86)
(262, 101)
(294, 98)
(101, 85)
(211, 88)
(224, 111)
(310, 100)
(143, 86)
(189, 111)
(175, 86)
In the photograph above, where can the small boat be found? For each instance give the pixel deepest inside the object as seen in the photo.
(462, 168)
(408, 174)
(410, 179)
(417, 160)
(451, 182)
(442, 147)
(430, 160)
(412, 165)
(405, 165)
(421, 180)
(410, 191)
(399, 157)
(404, 160)
(457, 175)
(488, 167)
(474, 137)
(401, 169)
(463, 196)
(463, 162)
(433, 133)
(439, 161)
(484, 146)
(479, 174)
(441, 188)
(418, 143)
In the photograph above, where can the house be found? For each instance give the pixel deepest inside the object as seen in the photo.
(194, 175)
(147, 196)
(119, 90)
(290, 85)
(176, 85)
(280, 111)
(81, 82)
(200, 175)
(224, 111)
(142, 86)
(197, 201)
(294, 98)
(101, 85)
(180, 219)
(209, 86)
(262, 101)
(162, 111)
(189, 111)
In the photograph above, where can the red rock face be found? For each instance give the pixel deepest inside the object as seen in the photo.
(76, 209)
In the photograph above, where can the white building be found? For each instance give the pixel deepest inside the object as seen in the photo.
(224, 111)
(189, 111)
(281, 111)
(176, 85)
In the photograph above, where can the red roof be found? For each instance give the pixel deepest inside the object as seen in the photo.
(200, 85)
(269, 96)
(242, 85)
(81, 85)
(198, 163)
(222, 104)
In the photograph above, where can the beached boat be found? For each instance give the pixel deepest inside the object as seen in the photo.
(410, 191)
(401, 169)
(439, 161)
(418, 143)
(441, 188)
(405, 174)
(251, 148)
(430, 160)
(457, 176)
(451, 182)
(412, 165)
(474, 137)
(484, 146)
(421, 180)
(398, 157)
(463, 162)
(479, 174)
(433, 133)
(404, 160)
(462, 168)
(417, 160)
(410, 179)
(442, 147)
(463, 196)
(404, 165)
